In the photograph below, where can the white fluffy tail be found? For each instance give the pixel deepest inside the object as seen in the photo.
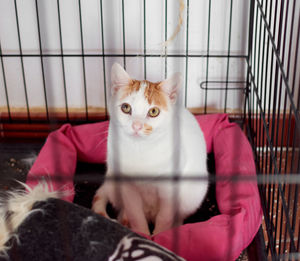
(16, 206)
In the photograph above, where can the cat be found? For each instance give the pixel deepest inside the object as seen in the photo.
(151, 135)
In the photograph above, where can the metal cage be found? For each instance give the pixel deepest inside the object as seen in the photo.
(268, 88)
(273, 114)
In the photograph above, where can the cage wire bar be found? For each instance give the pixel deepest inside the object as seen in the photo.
(206, 85)
(275, 129)
(62, 62)
(271, 103)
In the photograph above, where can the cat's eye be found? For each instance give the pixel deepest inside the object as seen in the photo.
(126, 108)
(154, 112)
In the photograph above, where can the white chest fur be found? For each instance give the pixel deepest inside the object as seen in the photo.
(132, 156)
(183, 149)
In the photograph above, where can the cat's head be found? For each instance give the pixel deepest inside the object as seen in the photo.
(142, 108)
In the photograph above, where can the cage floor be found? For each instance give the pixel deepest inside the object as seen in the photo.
(275, 194)
(17, 156)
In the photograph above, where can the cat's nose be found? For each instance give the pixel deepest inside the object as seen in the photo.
(136, 125)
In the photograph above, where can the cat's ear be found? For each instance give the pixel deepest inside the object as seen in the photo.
(119, 78)
(171, 86)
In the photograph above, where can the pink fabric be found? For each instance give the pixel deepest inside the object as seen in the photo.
(222, 237)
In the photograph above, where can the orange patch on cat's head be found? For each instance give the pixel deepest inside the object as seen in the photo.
(147, 129)
(153, 92)
(155, 95)
(133, 86)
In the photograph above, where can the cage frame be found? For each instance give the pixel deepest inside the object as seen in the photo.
(260, 123)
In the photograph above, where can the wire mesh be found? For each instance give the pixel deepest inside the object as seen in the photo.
(46, 54)
(269, 87)
(275, 122)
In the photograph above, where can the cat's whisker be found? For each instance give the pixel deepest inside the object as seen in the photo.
(101, 142)
(105, 128)
(100, 133)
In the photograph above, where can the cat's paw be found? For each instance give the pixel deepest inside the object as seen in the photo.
(103, 214)
(156, 231)
(125, 222)
(99, 206)
(123, 219)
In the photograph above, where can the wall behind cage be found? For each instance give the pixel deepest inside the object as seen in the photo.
(58, 54)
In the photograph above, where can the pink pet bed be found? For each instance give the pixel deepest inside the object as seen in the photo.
(222, 237)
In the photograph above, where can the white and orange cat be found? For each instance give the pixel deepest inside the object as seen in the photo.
(152, 135)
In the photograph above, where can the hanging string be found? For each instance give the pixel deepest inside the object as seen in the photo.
(178, 27)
